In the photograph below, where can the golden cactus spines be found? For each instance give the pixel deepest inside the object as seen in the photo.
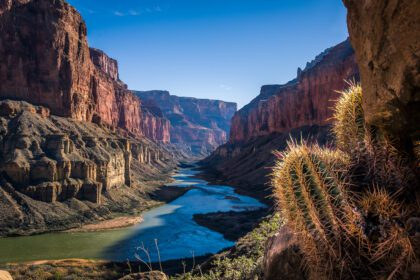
(388, 247)
(349, 123)
(311, 191)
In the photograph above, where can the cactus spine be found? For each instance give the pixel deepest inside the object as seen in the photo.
(349, 127)
(311, 191)
(344, 232)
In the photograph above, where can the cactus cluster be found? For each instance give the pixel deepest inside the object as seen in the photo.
(373, 153)
(311, 189)
(350, 227)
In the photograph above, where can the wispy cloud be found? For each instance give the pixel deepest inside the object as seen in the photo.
(134, 13)
(225, 87)
(119, 14)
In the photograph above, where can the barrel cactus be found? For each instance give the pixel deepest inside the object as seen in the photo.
(349, 126)
(374, 157)
(311, 190)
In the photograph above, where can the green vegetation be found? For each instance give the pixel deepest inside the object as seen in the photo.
(244, 260)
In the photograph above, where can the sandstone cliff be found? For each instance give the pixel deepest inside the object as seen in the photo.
(76, 145)
(305, 101)
(45, 60)
(57, 173)
(386, 38)
(300, 108)
(200, 124)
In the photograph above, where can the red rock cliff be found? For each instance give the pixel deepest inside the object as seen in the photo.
(118, 106)
(305, 101)
(45, 59)
(199, 124)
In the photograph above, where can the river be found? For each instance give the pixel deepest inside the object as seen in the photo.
(171, 227)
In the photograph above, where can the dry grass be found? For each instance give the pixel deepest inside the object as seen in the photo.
(388, 245)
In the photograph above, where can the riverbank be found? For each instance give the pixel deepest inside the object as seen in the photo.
(257, 191)
(119, 222)
(233, 225)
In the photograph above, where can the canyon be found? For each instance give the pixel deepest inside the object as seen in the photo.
(76, 145)
(300, 109)
(201, 125)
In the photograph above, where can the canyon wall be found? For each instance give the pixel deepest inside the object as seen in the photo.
(305, 101)
(52, 158)
(200, 124)
(76, 146)
(45, 60)
(299, 109)
(389, 60)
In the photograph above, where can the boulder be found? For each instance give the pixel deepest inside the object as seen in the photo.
(385, 35)
(282, 259)
(153, 275)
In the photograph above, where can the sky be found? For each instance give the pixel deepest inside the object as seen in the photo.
(217, 49)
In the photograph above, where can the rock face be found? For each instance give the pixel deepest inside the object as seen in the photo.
(298, 109)
(305, 101)
(389, 61)
(52, 159)
(115, 105)
(200, 124)
(84, 171)
(106, 64)
(45, 59)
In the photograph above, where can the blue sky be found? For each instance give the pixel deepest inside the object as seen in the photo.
(219, 49)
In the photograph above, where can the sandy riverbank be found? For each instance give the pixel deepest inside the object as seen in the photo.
(119, 222)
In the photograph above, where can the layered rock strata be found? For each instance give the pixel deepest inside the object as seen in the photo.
(45, 60)
(200, 124)
(57, 173)
(48, 161)
(301, 108)
(307, 100)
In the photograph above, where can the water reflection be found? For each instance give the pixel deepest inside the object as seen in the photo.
(177, 234)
